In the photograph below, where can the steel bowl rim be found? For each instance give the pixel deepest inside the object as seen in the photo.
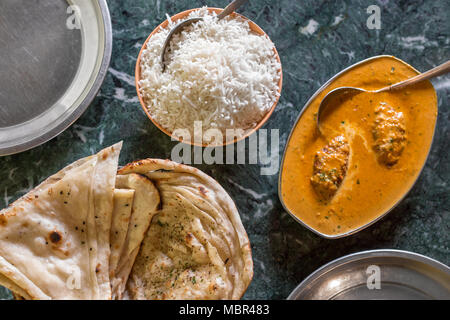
(323, 87)
(361, 255)
(92, 93)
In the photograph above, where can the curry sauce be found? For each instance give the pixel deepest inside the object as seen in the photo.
(389, 135)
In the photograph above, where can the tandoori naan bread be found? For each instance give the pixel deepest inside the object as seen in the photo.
(145, 205)
(154, 229)
(196, 246)
(54, 241)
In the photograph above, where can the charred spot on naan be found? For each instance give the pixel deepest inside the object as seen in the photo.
(4, 217)
(189, 237)
(55, 237)
(105, 153)
(202, 190)
(3, 220)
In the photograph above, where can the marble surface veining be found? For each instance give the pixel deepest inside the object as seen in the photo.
(315, 40)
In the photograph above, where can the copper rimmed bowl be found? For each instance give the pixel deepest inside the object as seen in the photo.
(253, 27)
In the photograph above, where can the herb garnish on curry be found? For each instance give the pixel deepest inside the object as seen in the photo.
(371, 150)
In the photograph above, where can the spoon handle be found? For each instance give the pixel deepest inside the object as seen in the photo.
(230, 8)
(437, 71)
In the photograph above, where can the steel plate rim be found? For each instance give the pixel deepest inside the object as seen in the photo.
(92, 93)
(316, 93)
(362, 255)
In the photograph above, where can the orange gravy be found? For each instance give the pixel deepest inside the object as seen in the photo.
(369, 188)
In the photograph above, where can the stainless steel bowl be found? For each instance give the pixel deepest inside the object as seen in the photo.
(54, 57)
(403, 275)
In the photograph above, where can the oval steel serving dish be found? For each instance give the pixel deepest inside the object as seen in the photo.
(403, 275)
(54, 57)
(318, 92)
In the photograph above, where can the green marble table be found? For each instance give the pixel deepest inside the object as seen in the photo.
(315, 40)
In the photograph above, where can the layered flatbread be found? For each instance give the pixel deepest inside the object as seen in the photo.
(144, 206)
(196, 246)
(154, 229)
(54, 241)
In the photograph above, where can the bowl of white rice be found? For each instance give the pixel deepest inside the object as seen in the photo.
(222, 80)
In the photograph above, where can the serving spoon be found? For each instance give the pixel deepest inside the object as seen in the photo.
(228, 10)
(331, 99)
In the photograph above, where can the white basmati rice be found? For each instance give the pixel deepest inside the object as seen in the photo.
(219, 72)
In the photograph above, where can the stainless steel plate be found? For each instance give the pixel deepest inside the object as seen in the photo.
(403, 275)
(53, 58)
